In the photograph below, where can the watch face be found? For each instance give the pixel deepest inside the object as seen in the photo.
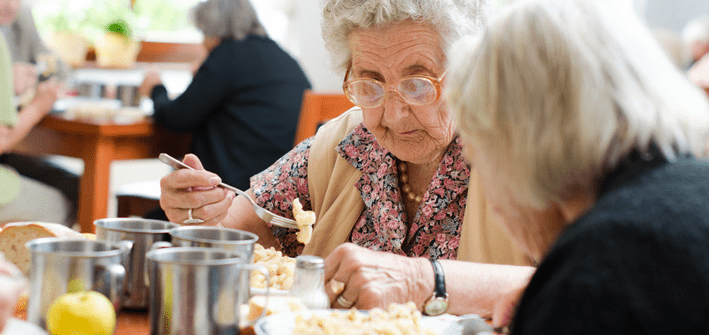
(436, 306)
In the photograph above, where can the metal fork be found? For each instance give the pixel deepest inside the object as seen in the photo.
(263, 213)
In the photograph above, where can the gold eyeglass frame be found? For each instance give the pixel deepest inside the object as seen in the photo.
(435, 81)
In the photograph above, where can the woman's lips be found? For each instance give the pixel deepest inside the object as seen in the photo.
(408, 133)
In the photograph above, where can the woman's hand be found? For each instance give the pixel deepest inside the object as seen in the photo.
(24, 77)
(506, 307)
(184, 189)
(375, 279)
(12, 284)
(152, 79)
(47, 94)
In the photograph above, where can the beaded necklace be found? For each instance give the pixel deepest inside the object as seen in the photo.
(405, 187)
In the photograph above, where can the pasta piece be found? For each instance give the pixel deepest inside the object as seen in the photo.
(305, 221)
(281, 268)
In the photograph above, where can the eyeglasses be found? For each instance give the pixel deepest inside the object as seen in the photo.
(371, 93)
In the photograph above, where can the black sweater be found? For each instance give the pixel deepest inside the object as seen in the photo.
(636, 263)
(242, 108)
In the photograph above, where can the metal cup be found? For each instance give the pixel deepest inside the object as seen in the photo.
(195, 291)
(143, 233)
(59, 265)
(238, 241)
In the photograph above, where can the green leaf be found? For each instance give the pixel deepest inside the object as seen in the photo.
(119, 27)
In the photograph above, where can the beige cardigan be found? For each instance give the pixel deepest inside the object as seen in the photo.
(338, 204)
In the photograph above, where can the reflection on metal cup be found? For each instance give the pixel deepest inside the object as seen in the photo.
(194, 291)
(143, 233)
(129, 96)
(239, 241)
(59, 265)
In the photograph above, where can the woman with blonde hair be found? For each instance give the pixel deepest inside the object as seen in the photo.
(574, 116)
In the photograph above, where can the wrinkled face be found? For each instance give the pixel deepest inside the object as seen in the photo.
(8, 11)
(413, 133)
(533, 230)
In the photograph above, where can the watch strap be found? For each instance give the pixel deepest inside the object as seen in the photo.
(439, 289)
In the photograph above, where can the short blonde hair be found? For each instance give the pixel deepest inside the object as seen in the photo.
(451, 18)
(556, 93)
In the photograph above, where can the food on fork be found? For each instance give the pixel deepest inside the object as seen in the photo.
(14, 236)
(305, 221)
(280, 267)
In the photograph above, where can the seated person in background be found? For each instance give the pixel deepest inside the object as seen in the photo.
(569, 106)
(30, 56)
(22, 198)
(10, 289)
(387, 176)
(696, 36)
(27, 50)
(243, 104)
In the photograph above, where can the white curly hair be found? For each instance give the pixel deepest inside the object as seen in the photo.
(451, 18)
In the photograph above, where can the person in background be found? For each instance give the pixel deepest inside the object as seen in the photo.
(696, 36)
(23, 198)
(392, 194)
(27, 50)
(243, 104)
(570, 106)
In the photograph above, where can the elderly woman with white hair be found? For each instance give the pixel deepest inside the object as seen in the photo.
(243, 103)
(573, 116)
(387, 176)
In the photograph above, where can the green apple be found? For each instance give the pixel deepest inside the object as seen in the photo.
(81, 313)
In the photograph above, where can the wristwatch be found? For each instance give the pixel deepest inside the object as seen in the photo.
(437, 304)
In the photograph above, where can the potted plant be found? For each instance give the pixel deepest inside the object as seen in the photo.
(116, 47)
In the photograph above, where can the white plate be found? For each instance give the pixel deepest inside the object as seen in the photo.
(283, 323)
(17, 326)
(262, 291)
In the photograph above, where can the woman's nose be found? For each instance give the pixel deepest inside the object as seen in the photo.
(395, 107)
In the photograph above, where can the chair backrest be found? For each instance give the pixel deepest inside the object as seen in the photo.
(318, 108)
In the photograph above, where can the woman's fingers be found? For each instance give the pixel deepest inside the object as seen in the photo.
(362, 278)
(212, 213)
(196, 190)
(506, 307)
(193, 161)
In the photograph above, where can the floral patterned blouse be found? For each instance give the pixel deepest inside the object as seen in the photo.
(435, 231)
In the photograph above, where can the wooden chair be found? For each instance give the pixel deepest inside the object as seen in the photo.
(137, 199)
(318, 108)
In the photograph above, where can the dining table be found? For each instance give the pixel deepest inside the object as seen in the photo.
(133, 322)
(98, 142)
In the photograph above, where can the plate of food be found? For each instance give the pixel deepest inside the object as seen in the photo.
(397, 319)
